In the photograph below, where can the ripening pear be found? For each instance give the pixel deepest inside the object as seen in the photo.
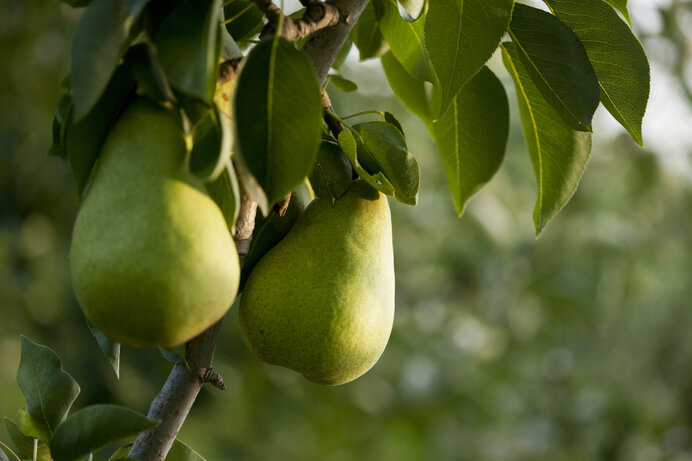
(321, 302)
(152, 260)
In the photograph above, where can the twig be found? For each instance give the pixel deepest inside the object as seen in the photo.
(317, 16)
(174, 401)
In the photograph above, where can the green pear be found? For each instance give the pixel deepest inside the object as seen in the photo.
(321, 302)
(152, 260)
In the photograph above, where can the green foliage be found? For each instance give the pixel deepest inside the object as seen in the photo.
(410, 91)
(366, 33)
(332, 173)
(110, 348)
(278, 112)
(243, 18)
(405, 39)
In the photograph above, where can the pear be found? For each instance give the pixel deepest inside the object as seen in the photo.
(321, 302)
(152, 260)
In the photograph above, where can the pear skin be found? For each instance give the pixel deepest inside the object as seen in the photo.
(152, 260)
(321, 302)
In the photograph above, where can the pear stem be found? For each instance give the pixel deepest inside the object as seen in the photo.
(178, 394)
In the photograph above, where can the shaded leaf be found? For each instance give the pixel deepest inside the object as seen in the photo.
(617, 58)
(77, 3)
(150, 78)
(343, 53)
(3, 456)
(23, 444)
(278, 118)
(110, 348)
(102, 35)
(243, 19)
(211, 145)
(224, 190)
(61, 122)
(460, 36)
(49, 390)
(188, 43)
(332, 173)
(29, 427)
(182, 452)
(557, 62)
(559, 154)
(392, 120)
(85, 138)
(342, 84)
(349, 146)
(406, 88)
(405, 40)
(621, 6)
(366, 33)
(472, 135)
(382, 148)
(95, 427)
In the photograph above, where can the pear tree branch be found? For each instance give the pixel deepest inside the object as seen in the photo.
(178, 394)
(318, 15)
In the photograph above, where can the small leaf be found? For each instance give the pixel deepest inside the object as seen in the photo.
(559, 154)
(557, 62)
(95, 427)
(621, 6)
(188, 43)
(61, 122)
(472, 136)
(392, 120)
(110, 348)
(182, 452)
(342, 84)
(350, 148)
(272, 230)
(343, 53)
(150, 78)
(384, 150)
(103, 33)
(405, 40)
(225, 191)
(85, 138)
(278, 118)
(406, 88)
(211, 145)
(77, 3)
(243, 20)
(28, 426)
(172, 356)
(460, 36)
(332, 173)
(366, 33)
(49, 390)
(24, 444)
(616, 56)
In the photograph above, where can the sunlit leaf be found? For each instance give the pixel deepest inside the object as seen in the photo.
(405, 40)
(342, 84)
(349, 146)
(366, 33)
(410, 91)
(559, 154)
(621, 6)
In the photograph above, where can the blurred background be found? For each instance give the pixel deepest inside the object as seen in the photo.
(575, 346)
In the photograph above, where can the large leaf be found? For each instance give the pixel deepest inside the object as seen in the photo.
(110, 348)
(557, 62)
(95, 427)
(278, 118)
(351, 149)
(559, 154)
(410, 91)
(616, 56)
(366, 33)
(84, 138)
(621, 6)
(472, 136)
(460, 36)
(405, 39)
(243, 19)
(100, 40)
(382, 148)
(188, 43)
(49, 390)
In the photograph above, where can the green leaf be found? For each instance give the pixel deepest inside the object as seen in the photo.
(4, 448)
(557, 62)
(61, 122)
(110, 348)
(49, 390)
(342, 84)
(182, 452)
(188, 43)
(23, 444)
(366, 33)
(77, 3)
(406, 88)
(225, 191)
(392, 120)
(343, 53)
(211, 145)
(559, 154)
(405, 40)
(413, 8)
(103, 33)
(243, 20)
(460, 36)
(617, 58)
(273, 229)
(350, 147)
(95, 427)
(332, 173)
(150, 77)
(85, 138)
(472, 136)
(30, 428)
(621, 6)
(382, 149)
(278, 118)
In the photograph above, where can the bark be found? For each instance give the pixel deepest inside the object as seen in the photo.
(178, 394)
